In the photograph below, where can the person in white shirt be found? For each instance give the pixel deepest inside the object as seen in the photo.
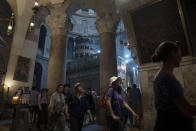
(57, 109)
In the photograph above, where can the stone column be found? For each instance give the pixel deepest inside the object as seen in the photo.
(58, 28)
(106, 25)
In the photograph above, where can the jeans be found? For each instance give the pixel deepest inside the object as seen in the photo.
(58, 121)
(43, 115)
(168, 122)
(114, 125)
(76, 123)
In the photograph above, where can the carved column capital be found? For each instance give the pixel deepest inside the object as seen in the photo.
(107, 22)
(58, 19)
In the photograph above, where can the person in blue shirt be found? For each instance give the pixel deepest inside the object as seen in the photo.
(174, 112)
(115, 103)
(76, 107)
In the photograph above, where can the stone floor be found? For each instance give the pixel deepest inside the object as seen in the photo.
(4, 126)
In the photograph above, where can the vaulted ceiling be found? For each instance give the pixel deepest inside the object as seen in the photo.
(20, 6)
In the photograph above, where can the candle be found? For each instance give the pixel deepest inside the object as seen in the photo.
(15, 100)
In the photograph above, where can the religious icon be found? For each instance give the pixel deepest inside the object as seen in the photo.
(22, 69)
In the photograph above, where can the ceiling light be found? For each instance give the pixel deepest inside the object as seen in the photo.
(32, 24)
(36, 4)
(9, 27)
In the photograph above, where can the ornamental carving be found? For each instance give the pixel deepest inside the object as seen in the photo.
(107, 22)
(58, 19)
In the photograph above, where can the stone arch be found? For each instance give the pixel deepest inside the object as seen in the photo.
(78, 4)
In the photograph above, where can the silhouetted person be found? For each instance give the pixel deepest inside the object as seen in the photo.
(67, 94)
(43, 108)
(135, 104)
(174, 112)
(90, 101)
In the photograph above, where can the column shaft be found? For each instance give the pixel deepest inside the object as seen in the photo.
(106, 25)
(58, 25)
(56, 65)
(108, 60)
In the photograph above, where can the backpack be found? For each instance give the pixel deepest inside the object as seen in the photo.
(104, 99)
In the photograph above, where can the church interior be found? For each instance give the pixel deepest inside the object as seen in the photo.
(44, 43)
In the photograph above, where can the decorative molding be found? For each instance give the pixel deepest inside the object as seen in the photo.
(187, 60)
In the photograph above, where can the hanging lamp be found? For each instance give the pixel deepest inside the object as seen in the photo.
(32, 22)
(11, 24)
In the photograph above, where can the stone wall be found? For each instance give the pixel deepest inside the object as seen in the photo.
(189, 9)
(155, 24)
(186, 74)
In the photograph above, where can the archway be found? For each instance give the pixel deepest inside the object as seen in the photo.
(42, 39)
(127, 68)
(37, 76)
(82, 50)
(42, 57)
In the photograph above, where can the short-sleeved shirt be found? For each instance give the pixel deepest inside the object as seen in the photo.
(116, 101)
(57, 102)
(166, 90)
(77, 107)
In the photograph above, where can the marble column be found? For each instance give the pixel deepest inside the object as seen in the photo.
(106, 25)
(58, 27)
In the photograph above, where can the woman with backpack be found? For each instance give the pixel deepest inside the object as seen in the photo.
(115, 103)
(76, 107)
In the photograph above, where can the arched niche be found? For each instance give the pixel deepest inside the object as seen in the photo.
(42, 38)
(37, 76)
